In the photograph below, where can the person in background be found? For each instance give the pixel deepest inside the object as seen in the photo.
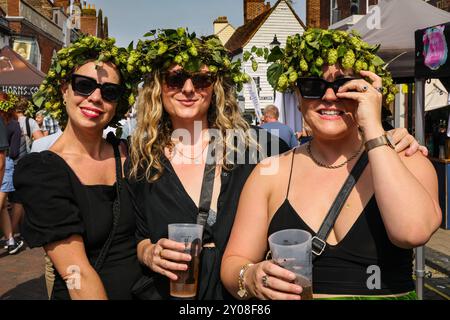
(50, 125)
(271, 124)
(7, 114)
(39, 117)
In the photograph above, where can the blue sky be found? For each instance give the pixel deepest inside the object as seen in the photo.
(130, 19)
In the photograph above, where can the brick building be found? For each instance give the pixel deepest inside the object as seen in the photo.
(253, 8)
(323, 13)
(34, 34)
(87, 19)
(441, 4)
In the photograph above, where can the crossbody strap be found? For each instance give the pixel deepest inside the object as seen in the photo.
(319, 240)
(207, 186)
(116, 204)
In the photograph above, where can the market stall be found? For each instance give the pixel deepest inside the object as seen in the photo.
(17, 75)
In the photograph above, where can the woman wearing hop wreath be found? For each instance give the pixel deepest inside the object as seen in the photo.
(392, 208)
(189, 90)
(188, 81)
(77, 206)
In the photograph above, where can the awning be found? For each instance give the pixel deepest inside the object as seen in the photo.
(17, 75)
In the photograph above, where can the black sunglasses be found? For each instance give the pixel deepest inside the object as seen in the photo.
(85, 86)
(315, 88)
(176, 79)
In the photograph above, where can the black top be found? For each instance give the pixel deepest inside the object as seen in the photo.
(14, 134)
(3, 136)
(344, 268)
(166, 201)
(57, 206)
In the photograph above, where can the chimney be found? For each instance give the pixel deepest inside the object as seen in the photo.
(64, 4)
(13, 8)
(313, 13)
(253, 8)
(220, 23)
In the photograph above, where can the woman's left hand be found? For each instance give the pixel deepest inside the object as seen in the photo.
(368, 114)
(403, 140)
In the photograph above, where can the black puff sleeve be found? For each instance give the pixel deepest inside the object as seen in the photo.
(43, 183)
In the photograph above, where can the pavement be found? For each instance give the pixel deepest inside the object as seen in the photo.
(22, 274)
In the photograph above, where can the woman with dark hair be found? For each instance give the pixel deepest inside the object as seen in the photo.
(76, 204)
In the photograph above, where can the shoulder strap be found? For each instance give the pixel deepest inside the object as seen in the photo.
(207, 187)
(290, 173)
(27, 127)
(319, 240)
(116, 204)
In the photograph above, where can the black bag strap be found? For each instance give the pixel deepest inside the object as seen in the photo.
(27, 127)
(207, 186)
(116, 204)
(318, 242)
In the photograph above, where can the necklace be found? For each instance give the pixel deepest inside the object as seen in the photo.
(320, 164)
(187, 157)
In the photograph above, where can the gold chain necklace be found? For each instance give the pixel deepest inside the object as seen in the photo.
(187, 157)
(320, 164)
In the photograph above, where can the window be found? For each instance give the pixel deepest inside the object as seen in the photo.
(354, 7)
(335, 13)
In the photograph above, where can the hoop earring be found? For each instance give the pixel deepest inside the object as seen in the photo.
(64, 102)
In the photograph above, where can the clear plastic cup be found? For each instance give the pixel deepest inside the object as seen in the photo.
(291, 249)
(191, 235)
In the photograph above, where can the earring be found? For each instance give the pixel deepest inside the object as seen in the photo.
(64, 102)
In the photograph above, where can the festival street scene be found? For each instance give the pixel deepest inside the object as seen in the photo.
(235, 151)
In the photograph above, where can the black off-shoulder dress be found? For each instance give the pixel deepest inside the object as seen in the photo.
(57, 205)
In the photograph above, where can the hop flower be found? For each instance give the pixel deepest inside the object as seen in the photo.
(193, 51)
(185, 56)
(162, 48)
(319, 61)
(293, 77)
(303, 65)
(283, 82)
(213, 68)
(348, 60)
(178, 59)
(332, 56)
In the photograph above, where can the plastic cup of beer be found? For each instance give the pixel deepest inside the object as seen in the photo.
(291, 249)
(185, 287)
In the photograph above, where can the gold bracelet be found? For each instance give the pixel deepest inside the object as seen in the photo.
(242, 293)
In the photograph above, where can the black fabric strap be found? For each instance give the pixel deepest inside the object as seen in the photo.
(319, 240)
(207, 186)
(116, 204)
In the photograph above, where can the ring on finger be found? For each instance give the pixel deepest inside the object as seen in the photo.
(160, 253)
(265, 281)
(379, 89)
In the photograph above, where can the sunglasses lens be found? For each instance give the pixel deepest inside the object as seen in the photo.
(83, 85)
(312, 88)
(202, 80)
(176, 79)
(111, 92)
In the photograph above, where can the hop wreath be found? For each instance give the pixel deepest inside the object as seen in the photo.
(167, 47)
(84, 49)
(306, 54)
(9, 102)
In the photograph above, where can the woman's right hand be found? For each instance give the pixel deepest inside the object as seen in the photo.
(268, 281)
(165, 257)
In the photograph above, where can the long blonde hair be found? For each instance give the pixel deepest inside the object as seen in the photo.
(154, 127)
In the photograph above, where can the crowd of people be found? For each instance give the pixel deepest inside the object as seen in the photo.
(100, 206)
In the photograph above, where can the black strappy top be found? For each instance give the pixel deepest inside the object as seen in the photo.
(364, 262)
